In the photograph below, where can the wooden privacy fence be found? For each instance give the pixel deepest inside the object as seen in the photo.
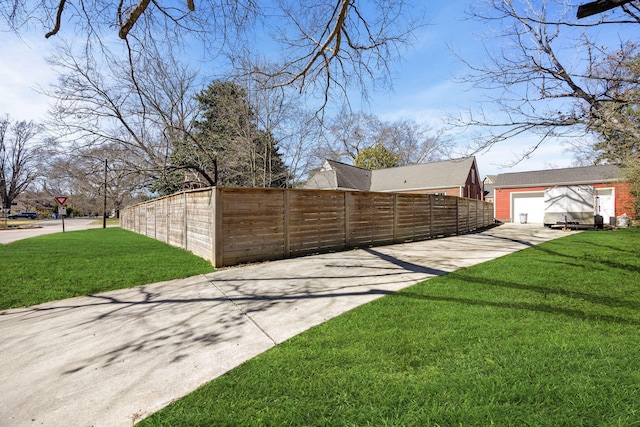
(230, 226)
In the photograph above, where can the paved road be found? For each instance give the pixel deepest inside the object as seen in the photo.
(47, 227)
(114, 358)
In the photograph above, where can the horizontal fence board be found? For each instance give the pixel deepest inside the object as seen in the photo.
(264, 224)
(324, 243)
(255, 242)
(253, 253)
(314, 233)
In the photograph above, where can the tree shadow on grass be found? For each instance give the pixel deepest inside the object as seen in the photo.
(543, 308)
(608, 261)
(594, 257)
(596, 300)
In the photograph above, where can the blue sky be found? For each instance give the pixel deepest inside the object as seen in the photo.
(427, 88)
(424, 87)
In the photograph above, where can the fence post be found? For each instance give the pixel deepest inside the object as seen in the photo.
(217, 256)
(484, 214)
(395, 217)
(457, 215)
(431, 196)
(287, 238)
(347, 218)
(155, 219)
(168, 215)
(185, 212)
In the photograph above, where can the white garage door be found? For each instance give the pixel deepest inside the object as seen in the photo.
(530, 203)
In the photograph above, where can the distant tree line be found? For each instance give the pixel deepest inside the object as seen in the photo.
(225, 135)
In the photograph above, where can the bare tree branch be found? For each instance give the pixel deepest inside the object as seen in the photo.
(322, 47)
(56, 27)
(547, 79)
(126, 26)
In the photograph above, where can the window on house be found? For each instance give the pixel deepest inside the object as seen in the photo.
(473, 176)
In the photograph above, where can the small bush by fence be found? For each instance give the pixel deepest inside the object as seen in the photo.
(229, 226)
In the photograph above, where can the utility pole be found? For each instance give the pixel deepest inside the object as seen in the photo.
(104, 215)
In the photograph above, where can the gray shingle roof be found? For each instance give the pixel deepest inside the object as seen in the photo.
(335, 175)
(490, 179)
(444, 174)
(566, 176)
(351, 176)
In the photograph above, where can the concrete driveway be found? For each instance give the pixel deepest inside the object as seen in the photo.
(114, 358)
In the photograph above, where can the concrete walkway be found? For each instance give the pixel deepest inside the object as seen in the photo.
(114, 358)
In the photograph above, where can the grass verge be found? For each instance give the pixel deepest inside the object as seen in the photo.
(546, 337)
(65, 265)
(110, 221)
(15, 223)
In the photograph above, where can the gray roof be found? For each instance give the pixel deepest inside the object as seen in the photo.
(336, 175)
(351, 177)
(566, 176)
(444, 174)
(490, 179)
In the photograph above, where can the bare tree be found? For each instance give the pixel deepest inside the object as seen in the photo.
(411, 143)
(152, 117)
(322, 46)
(348, 134)
(103, 105)
(550, 75)
(19, 157)
(279, 112)
(300, 140)
(618, 125)
(80, 174)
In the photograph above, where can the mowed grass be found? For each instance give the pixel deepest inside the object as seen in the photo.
(549, 336)
(65, 265)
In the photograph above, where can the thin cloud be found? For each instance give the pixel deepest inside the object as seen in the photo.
(23, 70)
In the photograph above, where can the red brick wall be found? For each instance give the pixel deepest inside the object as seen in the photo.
(624, 199)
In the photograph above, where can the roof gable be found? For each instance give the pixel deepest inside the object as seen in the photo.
(348, 176)
(490, 179)
(322, 180)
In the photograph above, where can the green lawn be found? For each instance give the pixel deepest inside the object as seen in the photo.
(549, 336)
(65, 265)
